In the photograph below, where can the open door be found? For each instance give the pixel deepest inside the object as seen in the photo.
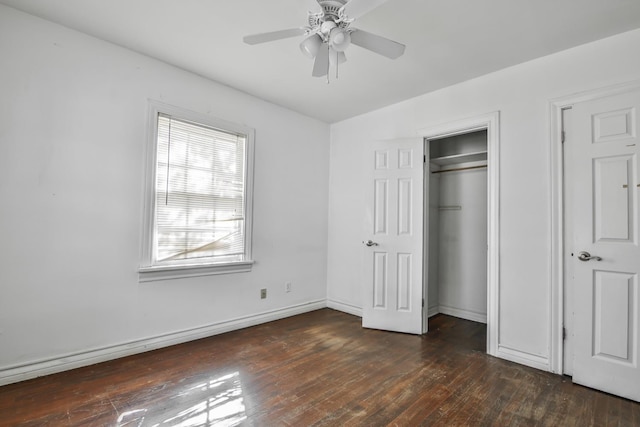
(393, 240)
(603, 186)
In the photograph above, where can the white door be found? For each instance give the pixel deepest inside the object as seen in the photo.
(603, 186)
(393, 237)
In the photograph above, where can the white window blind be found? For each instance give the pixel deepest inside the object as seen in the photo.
(200, 194)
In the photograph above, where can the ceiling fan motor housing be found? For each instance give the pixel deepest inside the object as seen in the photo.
(330, 12)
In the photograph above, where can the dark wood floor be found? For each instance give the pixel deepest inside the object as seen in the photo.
(319, 368)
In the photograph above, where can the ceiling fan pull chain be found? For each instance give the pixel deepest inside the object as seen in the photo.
(328, 62)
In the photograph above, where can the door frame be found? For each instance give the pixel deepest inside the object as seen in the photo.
(491, 123)
(557, 285)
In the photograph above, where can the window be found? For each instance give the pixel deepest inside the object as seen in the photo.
(198, 201)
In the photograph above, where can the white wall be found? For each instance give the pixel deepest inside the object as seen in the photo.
(462, 261)
(521, 94)
(73, 116)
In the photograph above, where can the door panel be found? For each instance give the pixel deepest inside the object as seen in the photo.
(603, 184)
(614, 125)
(405, 206)
(380, 206)
(613, 208)
(613, 316)
(404, 282)
(393, 266)
(380, 280)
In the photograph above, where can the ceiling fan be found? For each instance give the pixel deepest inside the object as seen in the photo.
(329, 33)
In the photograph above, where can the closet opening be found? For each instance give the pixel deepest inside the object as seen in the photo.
(457, 190)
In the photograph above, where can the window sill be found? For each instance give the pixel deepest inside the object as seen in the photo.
(153, 274)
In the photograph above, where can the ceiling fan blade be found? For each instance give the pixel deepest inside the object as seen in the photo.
(272, 36)
(335, 56)
(377, 44)
(321, 65)
(313, 6)
(354, 9)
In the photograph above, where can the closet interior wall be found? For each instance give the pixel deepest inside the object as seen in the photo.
(457, 273)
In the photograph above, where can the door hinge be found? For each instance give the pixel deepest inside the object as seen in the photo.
(564, 334)
(563, 136)
(424, 158)
(422, 302)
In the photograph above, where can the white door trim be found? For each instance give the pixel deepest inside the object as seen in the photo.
(556, 302)
(490, 122)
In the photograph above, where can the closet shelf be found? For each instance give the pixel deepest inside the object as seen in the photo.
(459, 158)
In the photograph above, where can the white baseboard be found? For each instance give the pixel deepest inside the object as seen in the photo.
(523, 358)
(432, 311)
(345, 307)
(463, 314)
(66, 362)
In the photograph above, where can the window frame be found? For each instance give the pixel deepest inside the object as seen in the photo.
(148, 271)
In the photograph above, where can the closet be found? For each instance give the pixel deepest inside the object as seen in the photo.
(457, 246)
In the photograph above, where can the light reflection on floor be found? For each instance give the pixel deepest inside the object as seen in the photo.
(223, 406)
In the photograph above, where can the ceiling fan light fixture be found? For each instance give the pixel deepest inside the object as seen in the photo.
(310, 45)
(327, 27)
(339, 39)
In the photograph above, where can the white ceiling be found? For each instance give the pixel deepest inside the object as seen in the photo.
(448, 41)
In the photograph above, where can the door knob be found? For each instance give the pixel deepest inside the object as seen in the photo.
(370, 243)
(586, 256)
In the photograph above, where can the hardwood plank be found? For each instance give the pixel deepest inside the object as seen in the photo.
(322, 369)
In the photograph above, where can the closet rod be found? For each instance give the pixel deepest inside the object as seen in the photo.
(460, 169)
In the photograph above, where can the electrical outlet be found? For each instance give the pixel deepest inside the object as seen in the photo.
(287, 287)
(263, 293)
